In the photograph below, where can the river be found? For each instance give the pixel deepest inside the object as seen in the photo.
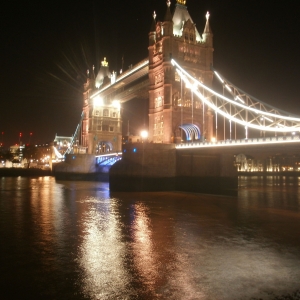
(76, 240)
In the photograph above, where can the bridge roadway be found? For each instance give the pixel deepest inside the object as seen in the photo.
(258, 148)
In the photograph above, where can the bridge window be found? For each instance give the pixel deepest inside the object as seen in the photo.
(104, 127)
(111, 128)
(97, 113)
(191, 37)
(187, 103)
(114, 115)
(158, 102)
(105, 112)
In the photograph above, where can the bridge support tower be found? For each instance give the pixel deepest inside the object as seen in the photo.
(172, 105)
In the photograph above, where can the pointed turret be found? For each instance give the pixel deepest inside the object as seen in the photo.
(103, 74)
(180, 17)
(168, 16)
(168, 23)
(207, 33)
(152, 33)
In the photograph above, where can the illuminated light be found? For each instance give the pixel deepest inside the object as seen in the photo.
(98, 101)
(232, 143)
(116, 104)
(238, 98)
(219, 76)
(134, 150)
(228, 88)
(113, 77)
(144, 134)
(213, 139)
(250, 125)
(268, 119)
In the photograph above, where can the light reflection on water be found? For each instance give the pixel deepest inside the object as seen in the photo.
(75, 240)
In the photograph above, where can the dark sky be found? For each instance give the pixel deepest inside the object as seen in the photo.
(47, 46)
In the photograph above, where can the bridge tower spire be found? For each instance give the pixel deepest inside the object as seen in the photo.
(171, 103)
(101, 124)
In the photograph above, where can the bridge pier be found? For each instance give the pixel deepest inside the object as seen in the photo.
(160, 167)
(206, 172)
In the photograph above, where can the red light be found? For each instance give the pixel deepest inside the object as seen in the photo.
(20, 134)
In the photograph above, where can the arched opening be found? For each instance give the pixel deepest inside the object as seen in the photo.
(104, 147)
(191, 131)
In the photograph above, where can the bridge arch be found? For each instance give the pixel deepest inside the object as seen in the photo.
(104, 146)
(191, 131)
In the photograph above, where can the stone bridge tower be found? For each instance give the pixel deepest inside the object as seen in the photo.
(173, 110)
(101, 130)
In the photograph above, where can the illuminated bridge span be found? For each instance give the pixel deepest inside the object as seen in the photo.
(175, 81)
(241, 108)
(242, 142)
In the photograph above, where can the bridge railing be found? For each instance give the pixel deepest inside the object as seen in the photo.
(254, 141)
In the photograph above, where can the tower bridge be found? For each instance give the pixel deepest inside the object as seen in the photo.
(184, 110)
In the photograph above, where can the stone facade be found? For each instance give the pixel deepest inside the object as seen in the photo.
(102, 123)
(171, 103)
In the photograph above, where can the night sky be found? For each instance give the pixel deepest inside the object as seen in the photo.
(47, 46)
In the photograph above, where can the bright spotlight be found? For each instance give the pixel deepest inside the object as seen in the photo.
(116, 104)
(98, 101)
(144, 134)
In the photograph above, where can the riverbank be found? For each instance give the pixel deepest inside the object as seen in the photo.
(15, 172)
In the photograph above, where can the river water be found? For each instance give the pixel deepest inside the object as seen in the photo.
(76, 240)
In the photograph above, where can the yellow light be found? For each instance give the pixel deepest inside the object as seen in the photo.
(144, 134)
(116, 104)
(98, 101)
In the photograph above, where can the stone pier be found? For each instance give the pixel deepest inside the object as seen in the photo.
(160, 167)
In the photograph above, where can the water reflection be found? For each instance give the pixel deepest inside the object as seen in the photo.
(73, 240)
(102, 252)
(144, 257)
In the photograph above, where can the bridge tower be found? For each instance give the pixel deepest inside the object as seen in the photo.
(173, 110)
(101, 125)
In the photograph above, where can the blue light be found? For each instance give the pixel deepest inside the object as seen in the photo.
(73, 157)
(134, 150)
(124, 150)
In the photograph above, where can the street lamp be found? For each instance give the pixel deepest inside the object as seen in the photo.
(144, 135)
